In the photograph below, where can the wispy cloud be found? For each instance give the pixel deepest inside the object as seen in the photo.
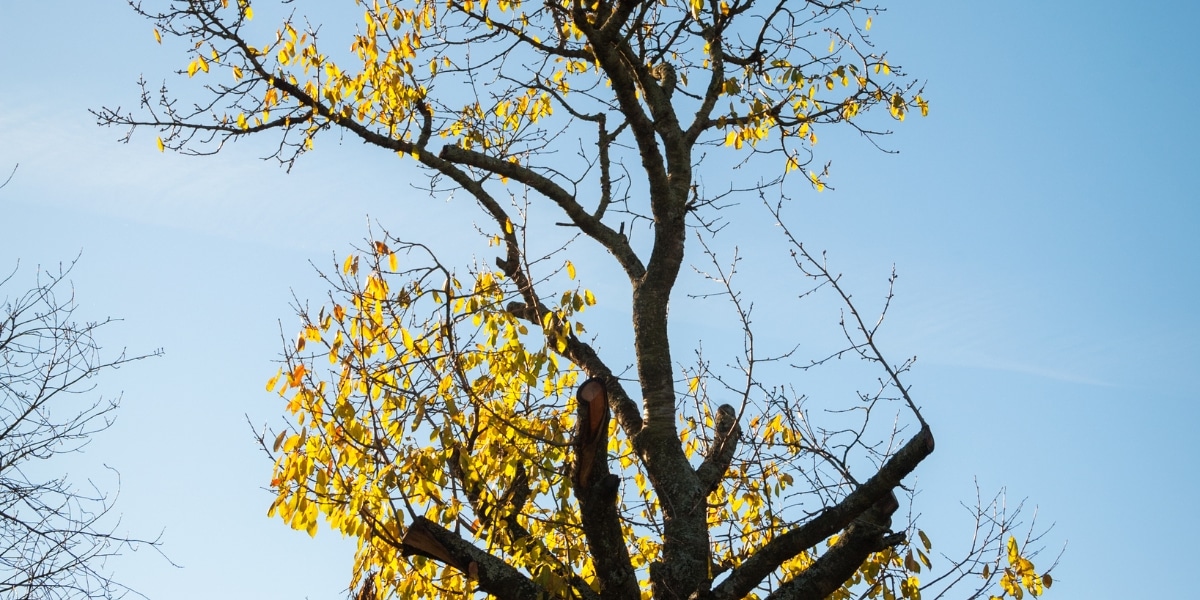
(1001, 326)
(72, 164)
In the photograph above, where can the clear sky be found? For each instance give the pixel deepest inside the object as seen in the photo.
(1039, 218)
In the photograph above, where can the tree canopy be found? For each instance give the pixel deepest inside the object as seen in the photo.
(462, 423)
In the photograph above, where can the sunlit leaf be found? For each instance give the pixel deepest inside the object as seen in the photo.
(274, 381)
(445, 390)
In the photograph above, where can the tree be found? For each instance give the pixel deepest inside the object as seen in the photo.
(54, 537)
(444, 433)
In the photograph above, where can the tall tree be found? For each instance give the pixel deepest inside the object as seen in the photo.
(462, 430)
(55, 536)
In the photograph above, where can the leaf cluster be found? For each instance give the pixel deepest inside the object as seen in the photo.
(432, 415)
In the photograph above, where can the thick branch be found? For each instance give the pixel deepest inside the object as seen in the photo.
(750, 573)
(607, 47)
(614, 20)
(712, 93)
(496, 577)
(596, 489)
(725, 439)
(668, 175)
(865, 536)
(590, 225)
(619, 402)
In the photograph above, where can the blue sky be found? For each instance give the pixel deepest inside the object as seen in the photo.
(1039, 219)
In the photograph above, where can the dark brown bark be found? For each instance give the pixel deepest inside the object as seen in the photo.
(596, 489)
(725, 440)
(494, 576)
(866, 535)
(833, 519)
(643, 85)
(685, 550)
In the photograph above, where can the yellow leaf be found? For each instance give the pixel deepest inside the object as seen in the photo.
(272, 382)
(249, 13)
(407, 338)
(393, 264)
(868, 25)
(157, 35)
(192, 68)
(816, 181)
(161, 146)
(570, 270)
(296, 377)
(508, 226)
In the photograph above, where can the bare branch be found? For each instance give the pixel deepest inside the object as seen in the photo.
(54, 536)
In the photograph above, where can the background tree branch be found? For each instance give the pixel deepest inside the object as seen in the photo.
(55, 536)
